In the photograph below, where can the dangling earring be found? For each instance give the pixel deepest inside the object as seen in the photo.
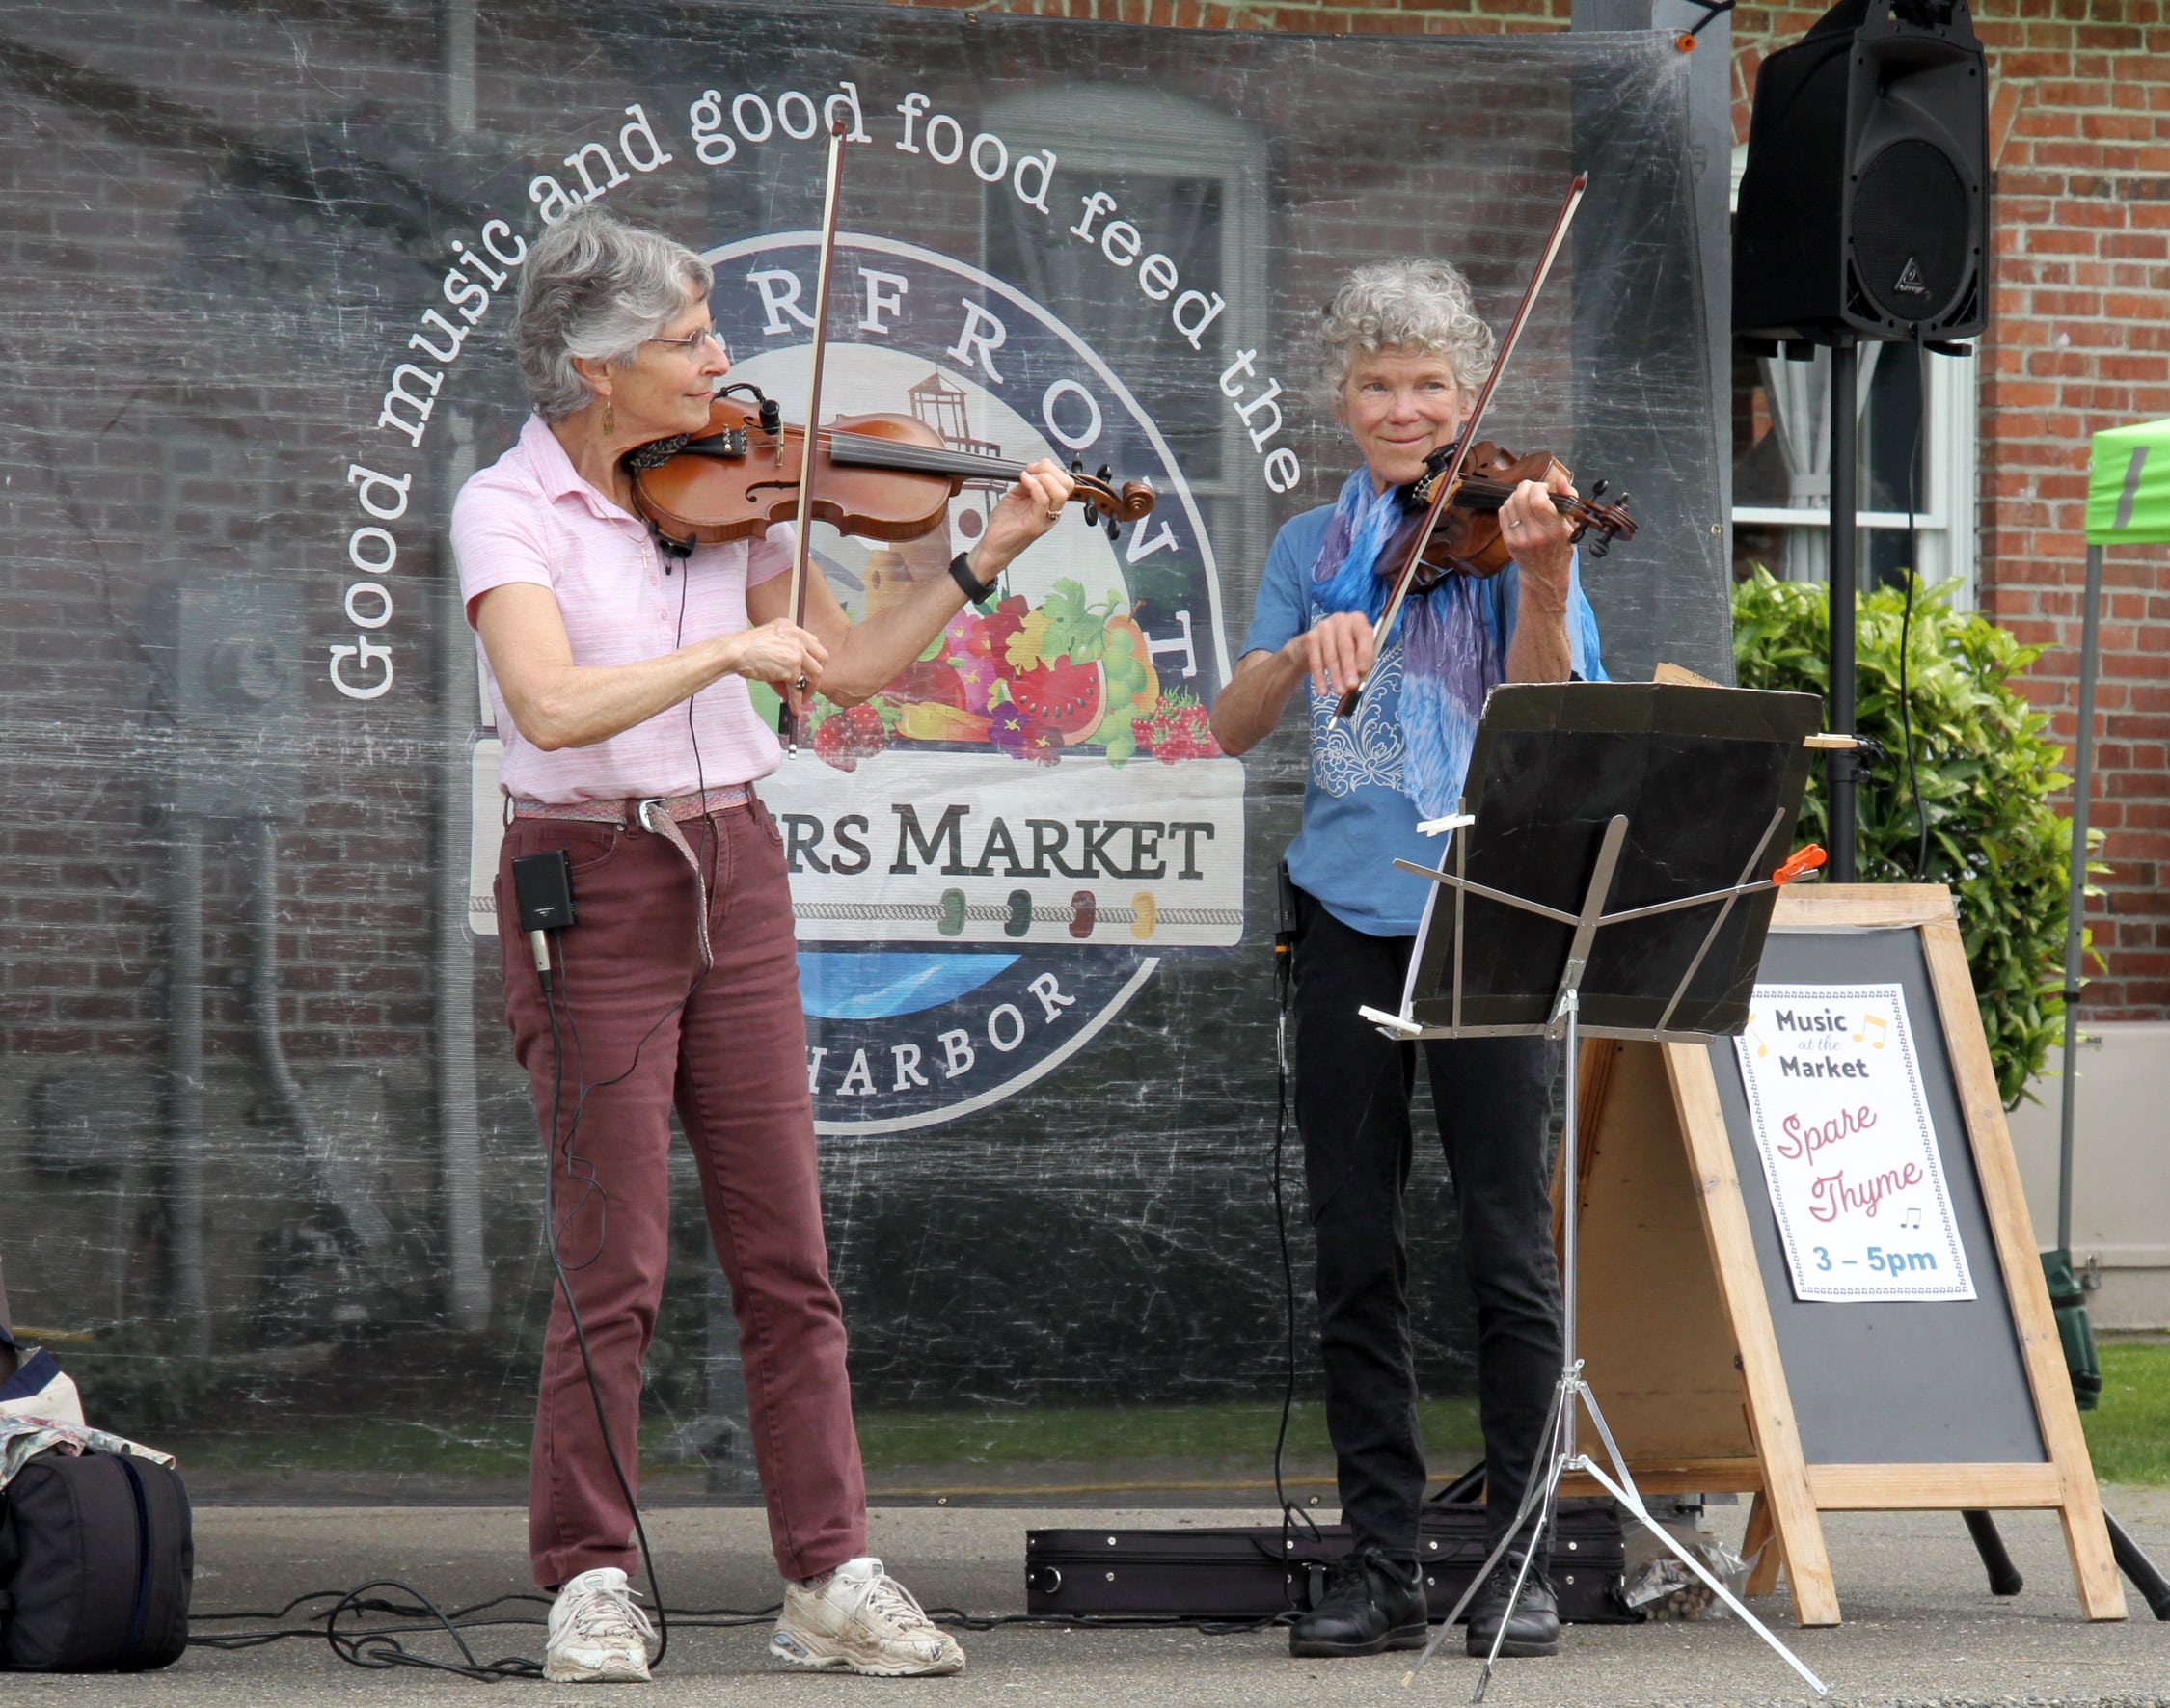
(609, 416)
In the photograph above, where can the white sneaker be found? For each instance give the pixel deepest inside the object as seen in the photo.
(862, 1620)
(597, 1636)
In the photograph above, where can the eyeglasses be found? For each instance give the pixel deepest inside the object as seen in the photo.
(690, 343)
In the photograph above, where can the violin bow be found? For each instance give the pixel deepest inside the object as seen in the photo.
(1452, 478)
(787, 720)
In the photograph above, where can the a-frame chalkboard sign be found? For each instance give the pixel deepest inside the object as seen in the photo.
(1717, 1375)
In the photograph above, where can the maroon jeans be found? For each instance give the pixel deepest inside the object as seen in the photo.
(731, 1056)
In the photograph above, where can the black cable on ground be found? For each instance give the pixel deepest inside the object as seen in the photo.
(378, 1646)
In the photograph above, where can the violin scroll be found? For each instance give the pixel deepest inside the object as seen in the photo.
(1106, 505)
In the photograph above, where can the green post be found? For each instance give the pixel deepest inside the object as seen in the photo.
(2069, 1304)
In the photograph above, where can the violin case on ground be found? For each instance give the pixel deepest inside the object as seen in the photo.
(1255, 1572)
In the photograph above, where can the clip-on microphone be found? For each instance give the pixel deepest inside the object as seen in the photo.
(1284, 955)
(542, 885)
(1284, 921)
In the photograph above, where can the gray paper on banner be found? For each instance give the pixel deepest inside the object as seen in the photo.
(1833, 1085)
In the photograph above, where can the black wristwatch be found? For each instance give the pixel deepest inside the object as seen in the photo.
(961, 572)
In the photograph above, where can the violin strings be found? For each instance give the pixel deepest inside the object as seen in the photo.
(869, 449)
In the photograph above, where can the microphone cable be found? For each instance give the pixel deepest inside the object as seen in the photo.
(1284, 980)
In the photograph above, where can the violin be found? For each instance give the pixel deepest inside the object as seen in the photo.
(881, 477)
(1467, 537)
(1447, 480)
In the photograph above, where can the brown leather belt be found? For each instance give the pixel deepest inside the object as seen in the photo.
(633, 809)
(659, 815)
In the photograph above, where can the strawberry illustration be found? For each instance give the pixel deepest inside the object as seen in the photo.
(845, 738)
(1178, 729)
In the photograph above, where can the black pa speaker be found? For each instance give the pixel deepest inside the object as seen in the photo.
(1865, 201)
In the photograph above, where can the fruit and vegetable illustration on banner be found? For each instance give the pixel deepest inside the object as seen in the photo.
(1030, 682)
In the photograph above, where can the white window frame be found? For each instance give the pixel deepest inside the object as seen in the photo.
(1165, 134)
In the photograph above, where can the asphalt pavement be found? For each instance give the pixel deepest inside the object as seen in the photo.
(1920, 1626)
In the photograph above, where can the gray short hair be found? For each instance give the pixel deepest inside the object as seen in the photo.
(596, 286)
(1409, 304)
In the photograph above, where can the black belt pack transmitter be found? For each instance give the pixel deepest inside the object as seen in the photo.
(542, 884)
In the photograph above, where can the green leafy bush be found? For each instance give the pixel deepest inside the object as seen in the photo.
(1986, 772)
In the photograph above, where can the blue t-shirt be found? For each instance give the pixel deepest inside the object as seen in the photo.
(1357, 821)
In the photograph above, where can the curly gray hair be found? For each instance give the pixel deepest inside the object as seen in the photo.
(1409, 304)
(595, 286)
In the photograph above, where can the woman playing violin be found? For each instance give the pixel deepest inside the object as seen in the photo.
(1402, 355)
(619, 678)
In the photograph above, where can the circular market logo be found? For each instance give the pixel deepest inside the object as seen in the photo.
(993, 856)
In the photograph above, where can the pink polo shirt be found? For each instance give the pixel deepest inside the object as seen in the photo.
(531, 517)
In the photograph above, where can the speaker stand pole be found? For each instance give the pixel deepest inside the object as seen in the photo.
(1845, 417)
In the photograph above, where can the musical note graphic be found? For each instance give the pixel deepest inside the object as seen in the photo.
(1882, 1030)
(1762, 1050)
(1912, 1218)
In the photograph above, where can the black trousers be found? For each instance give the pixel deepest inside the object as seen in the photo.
(1493, 1097)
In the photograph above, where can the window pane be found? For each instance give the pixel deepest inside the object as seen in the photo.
(1759, 462)
(1101, 302)
(1781, 435)
(1890, 434)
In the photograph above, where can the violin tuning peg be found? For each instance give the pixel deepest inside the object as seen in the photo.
(1620, 502)
(1114, 529)
(1104, 475)
(1598, 491)
(1077, 465)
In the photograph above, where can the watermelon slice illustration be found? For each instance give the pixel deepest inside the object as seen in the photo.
(1071, 698)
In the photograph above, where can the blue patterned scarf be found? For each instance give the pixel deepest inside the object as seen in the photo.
(1454, 638)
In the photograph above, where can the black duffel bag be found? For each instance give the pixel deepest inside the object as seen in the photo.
(95, 1557)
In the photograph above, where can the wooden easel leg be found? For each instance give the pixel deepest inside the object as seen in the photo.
(1760, 1544)
(2093, 1567)
(1785, 1497)
(1799, 1539)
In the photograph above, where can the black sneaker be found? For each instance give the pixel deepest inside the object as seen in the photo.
(1534, 1629)
(1372, 1604)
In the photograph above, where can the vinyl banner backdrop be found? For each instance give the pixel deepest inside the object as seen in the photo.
(269, 1180)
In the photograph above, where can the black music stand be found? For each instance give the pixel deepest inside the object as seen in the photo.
(1611, 873)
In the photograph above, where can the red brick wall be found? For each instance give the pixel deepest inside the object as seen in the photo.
(2079, 341)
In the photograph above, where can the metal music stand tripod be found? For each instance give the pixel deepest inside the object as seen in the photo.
(1622, 850)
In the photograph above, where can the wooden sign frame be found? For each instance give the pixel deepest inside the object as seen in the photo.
(1679, 1340)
